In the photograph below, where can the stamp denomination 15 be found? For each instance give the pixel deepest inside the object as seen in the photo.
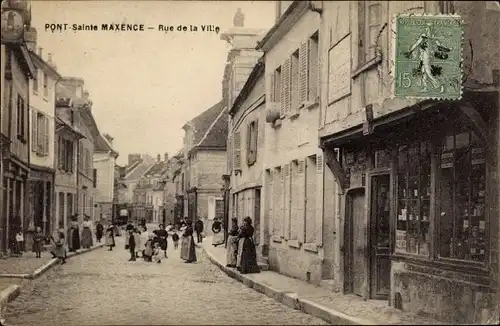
(428, 57)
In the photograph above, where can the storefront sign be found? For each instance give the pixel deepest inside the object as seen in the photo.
(446, 160)
(12, 26)
(123, 212)
(478, 156)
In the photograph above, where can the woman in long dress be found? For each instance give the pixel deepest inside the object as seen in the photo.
(188, 250)
(218, 237)
(73, 235)
(247, 255)
(109, 238)
(232, 244)
(87, 240)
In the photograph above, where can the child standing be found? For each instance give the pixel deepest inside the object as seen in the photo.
(38, 238)
(137, 239)
(131, 244)
(20, 242)
(148, 251)
(175, 239)
(157, 253)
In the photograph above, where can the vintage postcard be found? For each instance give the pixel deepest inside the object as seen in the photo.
(249, 162)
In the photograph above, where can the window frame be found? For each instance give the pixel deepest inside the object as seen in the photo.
(20, 118)
(45, 85)
(35, 81)
(252, 145)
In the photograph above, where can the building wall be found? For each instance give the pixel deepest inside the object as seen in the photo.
(430, 289)
(85, 170)
(295, 244)
(157, 206)
(104, 164)
(39, 103)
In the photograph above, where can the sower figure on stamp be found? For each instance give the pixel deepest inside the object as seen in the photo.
(428, 46)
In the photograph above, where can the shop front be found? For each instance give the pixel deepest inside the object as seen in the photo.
(420, 205)
(41, 181)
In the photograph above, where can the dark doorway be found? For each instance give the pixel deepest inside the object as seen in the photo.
(355, 243)
(257, 217)
(380, 237)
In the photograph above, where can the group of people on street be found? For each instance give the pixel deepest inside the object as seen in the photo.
(241, 253)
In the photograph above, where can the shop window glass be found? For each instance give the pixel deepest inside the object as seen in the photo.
(381, 158)
(413, 198)
(462, 220)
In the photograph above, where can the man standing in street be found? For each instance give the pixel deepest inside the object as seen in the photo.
(198, 227)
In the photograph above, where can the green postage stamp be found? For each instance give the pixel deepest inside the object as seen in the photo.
(428, 56)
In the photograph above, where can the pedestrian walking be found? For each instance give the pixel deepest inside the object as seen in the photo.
(175, 239)
(131, 244)
(129, 226)
(246, 261)
(99, 230)
(232, 244)
(161, 238)
(73, 235)
(109, 239)
(87, 240)
(188, 250)
(148, 249)
(58, 246)
(218, 237)
(198, 227)
(38, 238)
(138, 242)
(157, 253)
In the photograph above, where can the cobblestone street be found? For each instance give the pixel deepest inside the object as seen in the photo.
(102, 287)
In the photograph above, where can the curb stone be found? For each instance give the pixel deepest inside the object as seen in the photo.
(291, 299)
(41, 270)
(9, 294)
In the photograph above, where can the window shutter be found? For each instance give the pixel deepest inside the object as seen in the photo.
(61, 152)
(285, 88)
(319, 163)
(46, 136)
(312, 68)
(34, 130)
(256, 138)
(303, 72)
(237, 151)
(272, 85)
(249, 143)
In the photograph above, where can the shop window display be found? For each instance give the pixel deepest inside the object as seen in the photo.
(413, 198)
(462, 219)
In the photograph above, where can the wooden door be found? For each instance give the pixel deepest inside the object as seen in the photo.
(380, 237)
(356, 242)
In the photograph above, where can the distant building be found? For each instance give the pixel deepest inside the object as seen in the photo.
(205, 164)
(104, 165)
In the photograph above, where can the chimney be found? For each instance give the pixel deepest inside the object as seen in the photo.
(40, 52)
(30, 37)
(109, 138)
(165, 157)
(158, 158)
(50, 62)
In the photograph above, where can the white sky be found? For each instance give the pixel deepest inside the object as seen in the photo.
(145, 85)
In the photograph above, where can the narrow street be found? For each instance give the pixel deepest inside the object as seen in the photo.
(102, 288)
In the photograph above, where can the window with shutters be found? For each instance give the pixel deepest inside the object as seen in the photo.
(35, 81)
(252, 134)
(310, 199)
(295, 82)
(237, 152)
(21, 121)
(270, 194)
(370, 29)
(285, 100)
(275, 87)
(446, 7)
(296, 199)
(66, 155)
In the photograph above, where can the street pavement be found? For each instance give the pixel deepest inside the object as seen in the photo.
(103, 287)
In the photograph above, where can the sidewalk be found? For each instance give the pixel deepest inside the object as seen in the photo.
(335, 308)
